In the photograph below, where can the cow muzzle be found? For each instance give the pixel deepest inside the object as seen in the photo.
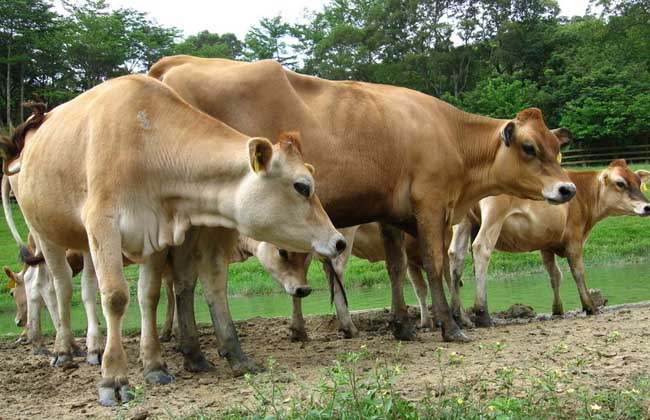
(561, 192)
(19, 322)
(334, 247)
(642, 209)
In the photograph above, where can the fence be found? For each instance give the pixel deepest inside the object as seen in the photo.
(603, 155)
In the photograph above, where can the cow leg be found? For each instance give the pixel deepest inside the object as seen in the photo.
(106, 249)
(213, 272)
(34, 306)
(89, 289)
(482, 248)
(455, 262)
(297, 328)
(431, 235)
(396, 265)
(420, 287)
(168, 281)
(62, 273)
(574, 255)
(155, 369)
(555, 274)
(334, 270)
(184, 277)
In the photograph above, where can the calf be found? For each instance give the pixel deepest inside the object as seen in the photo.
(513, 224)
(178, 167)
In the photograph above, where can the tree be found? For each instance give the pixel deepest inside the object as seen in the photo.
(208, 44)
(269, 40)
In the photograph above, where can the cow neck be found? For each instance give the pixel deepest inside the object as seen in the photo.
(587, 206)
(211, 167)
(478, 142)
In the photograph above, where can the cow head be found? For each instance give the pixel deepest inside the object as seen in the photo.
(528, 161)
(276, 201)
(16, 286)
(620, 190)
(289, 269)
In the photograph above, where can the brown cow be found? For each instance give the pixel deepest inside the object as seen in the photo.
(129, 167)
(383, 153)
(516, 225)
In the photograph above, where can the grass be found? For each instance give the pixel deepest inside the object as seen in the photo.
(355, 388)
(613, 241)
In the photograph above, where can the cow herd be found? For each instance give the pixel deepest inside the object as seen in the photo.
(205, 162)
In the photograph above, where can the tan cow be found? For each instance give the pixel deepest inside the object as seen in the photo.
(384, 154)
(129, 167)
(516, 225)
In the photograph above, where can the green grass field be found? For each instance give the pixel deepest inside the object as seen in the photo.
(613, 241)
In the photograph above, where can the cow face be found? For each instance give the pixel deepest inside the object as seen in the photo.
(528, 161)
(621, 190)
(16, 286)
(289, 269)
(276, 201)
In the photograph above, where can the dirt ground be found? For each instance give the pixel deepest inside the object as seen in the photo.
(616, 343)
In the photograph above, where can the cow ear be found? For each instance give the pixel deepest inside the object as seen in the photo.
(564, 135)
(643, 174)
(508, 133)
(260, 152)
(11, 281)
(311, 168)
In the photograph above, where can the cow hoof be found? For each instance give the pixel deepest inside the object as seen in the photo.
(41, 351)
(463, 320)
(22, 340)
(244, 367)
(159, 377)
(457, 336)
(61, 359)
(110, 397)
(482, 317)
(402, 330)
(352, 332)
(427, 325)
(590, 310)
(198, 365)
(166, 337)
(94, 358)
(297, 336)
(77, 351)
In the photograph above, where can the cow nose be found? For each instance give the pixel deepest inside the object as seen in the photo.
(567, 191)
(646, 209)
(303, 291)
(340, 245)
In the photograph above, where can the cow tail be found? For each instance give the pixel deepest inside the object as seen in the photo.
(11, 148)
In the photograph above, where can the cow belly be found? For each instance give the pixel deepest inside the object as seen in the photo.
(525, 233)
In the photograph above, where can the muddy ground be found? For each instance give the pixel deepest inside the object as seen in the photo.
(615, 343)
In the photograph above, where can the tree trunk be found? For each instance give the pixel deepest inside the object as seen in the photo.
(22, 92)
(9, 87)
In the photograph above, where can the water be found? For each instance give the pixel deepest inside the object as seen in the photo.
(620, 284)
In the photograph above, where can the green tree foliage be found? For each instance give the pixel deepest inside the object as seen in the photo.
(269, 40)
(208, 44)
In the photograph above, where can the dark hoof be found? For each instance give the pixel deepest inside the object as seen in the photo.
(297, 336)
(457, 336)
(159, 377)
(482, 318)
(198, 365)
(110, 397)
(243, 367)
(463, 320)
(590, 310)
(166, 337)
(61, 359)
(41, 351)
(352, 332)
(22, 340)
(77, 351)
(94, 358)
(402, 330)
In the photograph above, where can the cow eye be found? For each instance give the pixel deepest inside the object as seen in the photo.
(621, 184)
(302, 188)
(283, 253)
(11, 292)
(529, 149)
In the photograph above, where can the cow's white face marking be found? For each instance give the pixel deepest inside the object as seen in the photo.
(144, 121)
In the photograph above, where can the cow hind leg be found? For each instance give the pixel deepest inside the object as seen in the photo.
(89, 289)
(34, 306)
(455, 262)
(396, 264)
(167, 331)
(556, 279)
(297, 330)
(58, 265)
(334, 271)
(149, 281)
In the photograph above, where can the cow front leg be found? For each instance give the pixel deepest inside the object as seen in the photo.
(106, 249)
(334, 270)
(396, 265)
(420, 287)
(431, 234)
(453, 270)
(184, 273)
(89, 290)
(548, 258)
(298, 331)
(167, 331)
(482, 248)
(574, 255)
(62, 273)
(149, 281)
